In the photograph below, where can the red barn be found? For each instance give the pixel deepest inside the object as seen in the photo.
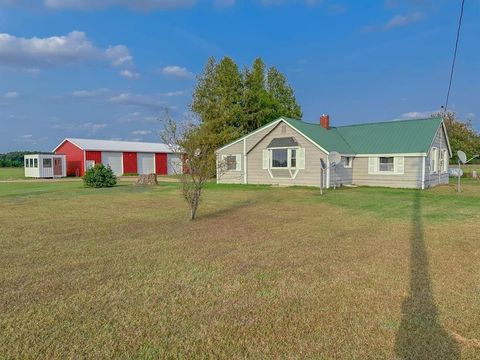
(124, 157)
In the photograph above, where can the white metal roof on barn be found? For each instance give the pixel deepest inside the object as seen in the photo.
(114, 145)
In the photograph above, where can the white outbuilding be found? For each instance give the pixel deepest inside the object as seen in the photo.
(45, 166)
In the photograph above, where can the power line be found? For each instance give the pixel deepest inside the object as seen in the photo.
(454, 55)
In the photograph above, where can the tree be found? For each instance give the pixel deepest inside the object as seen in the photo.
(15, 158)
(259, 106)
(217, 101)
(198, 159)
(462, 135)
(282, 94)
(230, 103)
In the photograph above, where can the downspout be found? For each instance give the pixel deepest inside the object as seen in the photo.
(245, 161)
(328, 174)
(423, 172)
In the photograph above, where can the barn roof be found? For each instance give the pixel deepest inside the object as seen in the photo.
(114, 145)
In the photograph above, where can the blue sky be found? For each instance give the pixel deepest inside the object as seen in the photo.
(106, 68)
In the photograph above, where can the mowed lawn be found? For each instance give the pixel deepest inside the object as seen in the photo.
(264, 272)
(12, 173)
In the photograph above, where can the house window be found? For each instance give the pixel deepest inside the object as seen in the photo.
(434, 160)
(347, 161)
(47, 163)
(293, 158)
(444, 160)
(279, 158)
(31, 163)
(27, 163)
(35, 163)
(231, 161)
(386, 164)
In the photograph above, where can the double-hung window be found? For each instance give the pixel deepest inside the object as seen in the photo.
(232, 162)
(386, 164)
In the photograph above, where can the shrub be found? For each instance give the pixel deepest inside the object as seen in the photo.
(100, 176)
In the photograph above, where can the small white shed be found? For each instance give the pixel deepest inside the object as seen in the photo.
(45, 166)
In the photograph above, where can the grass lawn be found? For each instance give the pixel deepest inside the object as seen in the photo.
(362, 273)
(13, 173)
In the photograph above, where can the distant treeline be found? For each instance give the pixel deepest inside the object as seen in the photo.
(15, 158)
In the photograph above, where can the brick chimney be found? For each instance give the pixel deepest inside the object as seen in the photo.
(325, 121)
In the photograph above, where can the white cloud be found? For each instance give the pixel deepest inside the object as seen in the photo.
(27, 136)
(403, 20)
(88, 127)
(173, 93)
(470, 116)
(141, 132)
(177, 71)
(11, 95)
(72, 48)
(84, 5)
(90, 93)
(129, 74)
(151, 102)
(415, 115)
(396, 22)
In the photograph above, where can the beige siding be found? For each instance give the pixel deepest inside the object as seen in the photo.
(310, 176)
(440, 177)
(231, 176)
(411, 178)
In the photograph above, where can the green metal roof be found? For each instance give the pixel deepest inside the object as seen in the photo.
(330, 140)
(400, 136)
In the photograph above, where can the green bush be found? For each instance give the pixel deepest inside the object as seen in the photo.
(100, 176)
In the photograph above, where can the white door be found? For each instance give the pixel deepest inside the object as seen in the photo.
(114, 160)
(146, 163)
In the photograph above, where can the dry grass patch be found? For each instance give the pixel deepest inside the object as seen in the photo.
(263, 273)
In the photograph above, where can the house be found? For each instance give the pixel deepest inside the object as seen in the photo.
(401, 154)
(45, 166)
(124, 157)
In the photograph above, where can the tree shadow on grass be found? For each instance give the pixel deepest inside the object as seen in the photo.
(421, 335)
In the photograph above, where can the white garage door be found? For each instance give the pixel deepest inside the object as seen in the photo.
(174, 164)
(114, 160)
(146, 163)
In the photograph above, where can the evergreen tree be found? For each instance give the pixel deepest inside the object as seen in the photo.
(230, 103)
(217, 101)
(282, 94)
(259, 105)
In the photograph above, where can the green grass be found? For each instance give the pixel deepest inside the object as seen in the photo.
(12, 173)
(468, 169)
(264, 272)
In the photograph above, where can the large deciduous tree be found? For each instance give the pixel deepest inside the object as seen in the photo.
(461, 134)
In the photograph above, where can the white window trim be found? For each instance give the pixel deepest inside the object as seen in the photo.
(238, 161)
(434, 155)
(351, 161)
(377, 171)
(445, 158)
(289, 157)
(292, 170)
